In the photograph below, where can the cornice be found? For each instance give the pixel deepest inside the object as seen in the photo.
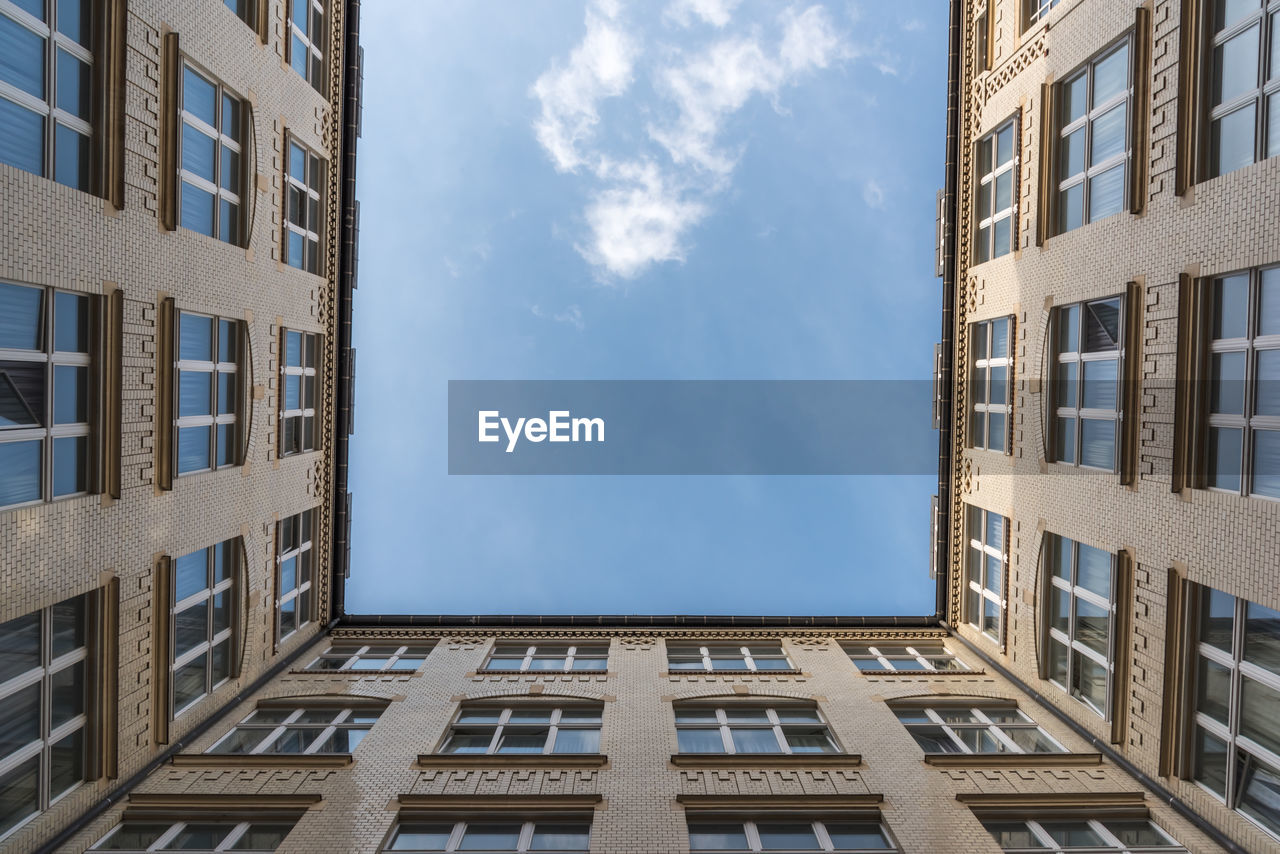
(518, 760)
(765, 760)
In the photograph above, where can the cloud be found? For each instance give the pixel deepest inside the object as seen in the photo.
(598, 68)
(872, 194)
(571, 315)
(913, 25)
(714, 12)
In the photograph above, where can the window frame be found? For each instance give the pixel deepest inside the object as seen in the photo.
(272, 732)
(710, 651)
(51, 115)
(49, 432)
(1036, 11)
(305, 191)
(977, 590)
(775, 724)
(312, 42)
(1264, 94)
(1063, 129)
(1078, 413)
(1068, 639)
(305, 525)
(43, 676)
(213, 588)
(528, 826)
(351, 654)
(1111, 843)
(918, 651)
(503, 726)
(818, 823)
(221, 140)
(984, 721)
(215, 367)
(241, 825)
(988, 174)
(307, 373)
(531, 654)
(983, 362)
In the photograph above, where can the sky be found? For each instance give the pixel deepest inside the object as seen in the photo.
(667, 189)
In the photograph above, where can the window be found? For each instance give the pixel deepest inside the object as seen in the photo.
(1080, 618)
(384, 657)
(302, 225)
(1244, 84)
(782, 834)
(525, 729)
(997, 174)
(1236, 743)
(306, 729)
(1123, 836)
(213, 834)
(306, 40)
(551, 836)
(208, 377)
(752, 729)
(294, 560)
(211, 162)
(46, 374)
(204, 599)
(987, 562)
(982, 40)
(43, 693)
(298, 400)
(1036, 10)
(1244, 395)
(980, 729)
(46, 89)
(717, 657)
(1086, 395)
(525, 657)
(909, 656)
(1093, 145)
(245, 10)
(992, 392)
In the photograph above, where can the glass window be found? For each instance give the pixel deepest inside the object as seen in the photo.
(1093, 140)
(991, 388)
(494, 834)
(1080, 614)
(298, 393)
(216, 833)
(514, 657)
(302, 220)
(1243, 116)
(243, 9)
(782, 833)
(213, 171)
(1036, 10)
(206, 420)
(1122, 836)
(903, 655)
(1085, 384)
(202, 609)
(727, 657)
(1236, 745)
(46, 90)
(307, 40)
(987, 560)
(295, 560)
(1243, 369)
(44, 690)
(525, 729)
(305, 729)
(389, 656)
(46, 374)
(752, 729)
(979, 729)
(997, 232)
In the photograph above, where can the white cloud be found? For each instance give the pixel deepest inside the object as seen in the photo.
(872, 194)
(809, 40)
(598, 68)
(571, 315)
(714, 12)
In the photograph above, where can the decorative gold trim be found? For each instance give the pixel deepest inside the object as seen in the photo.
(258, 760)
(1012, 760)
(505, 760)
(764, 760)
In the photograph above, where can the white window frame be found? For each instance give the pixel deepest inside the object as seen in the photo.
(1078, 357)
(42, 675)
(527, 829)
(51, 114)
(212, 639)
(997, 730)
(1112, 843)
(976, 576)
(311, 41)
(1035, 11)
(503, 724)
(53, 359)
(352, 655)
(306, 373)
(1067, 639)
(215, 368)
(752, 831)
(161, 843)
(710, 651)
(531, 654)
(923, 653)
(1263, 96)
(1086, 122)
(272, 732)
(988, 175)
(221, 140)
(775, 724)
(310, 231)
(305, 557)
(982, 410)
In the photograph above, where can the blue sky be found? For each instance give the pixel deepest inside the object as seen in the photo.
(668, 189)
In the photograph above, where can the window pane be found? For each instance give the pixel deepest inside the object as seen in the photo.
(1067, 384)
(19, 646)
(262, 837)
(1111, 76)
(934, 739)
(73, 20)
(191, 627)
(195, 390)
(754, 740)
(20, 724)
(1072, 834)
(193, 449)
(19, 793)
(1268, 383)
(1093, 569)
(21, 137)
(1266, 463)
(200, 835)
(1059, 610)
(132, 835)
(20, 316)
(1075, 98)
(490, 837)
(73, 85)
(1258, 720)
(1231, 306)
(1106, 193)
(71, 157)
(199, 97)
(198, 153)
(188, 683)
(1227, 376)
(19, 471)
(522, 742)
(701, 740)
(577, 741)
(1093, 627)
(1224, 458)
(67, 694)
(1099, 384)
(1261, 794)
(1262, 637)
(21, 57)
(1235, 66)
(468, 742)
(815, 739)
(195, 337)
(1000, 238)
(1231, 141)
(1071, 207)
(1213, 690)
(560, 837)
(1217, 617)
(1032, 740)
(70, 322)
(70, 465)
(1108, 136)
(1211, 761)
(1089, 681)
(1057, 662)
(792, 836)
(422, 837)
(717, 837)
(1013, 835)
(197, 209)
